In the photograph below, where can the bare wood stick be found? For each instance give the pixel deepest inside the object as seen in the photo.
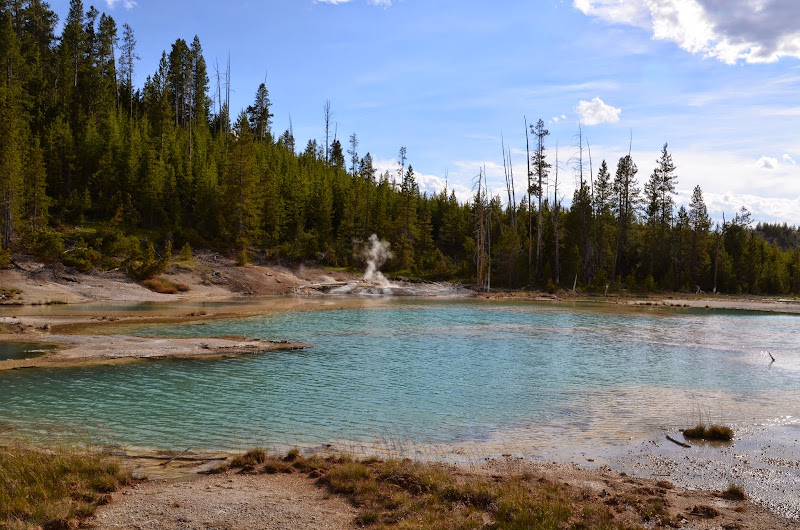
(175, 457)
(673, 440)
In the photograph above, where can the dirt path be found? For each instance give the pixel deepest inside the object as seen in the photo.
(227, 501)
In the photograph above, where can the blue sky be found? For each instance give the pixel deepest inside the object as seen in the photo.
(719, 80)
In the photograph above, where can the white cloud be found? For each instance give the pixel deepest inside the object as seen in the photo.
(127, 4)
(597, 111)
(788, 158)
(382, 3)
(756, 31)
(767, 162)
(729, 180)
(764, 209)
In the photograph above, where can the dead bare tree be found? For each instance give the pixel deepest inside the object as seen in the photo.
(720, 234)
(556, 209)
(530, 190)
(508, 170)
(326, 113)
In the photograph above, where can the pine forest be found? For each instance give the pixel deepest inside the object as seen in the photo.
(98, 173)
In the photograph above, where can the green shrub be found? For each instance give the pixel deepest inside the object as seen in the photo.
(48, 245)
(186, 252)
(146, 265)
(81, 256)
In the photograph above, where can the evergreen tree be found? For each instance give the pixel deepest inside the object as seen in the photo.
(540, 171)
(12, 130)
(337, 155)
(626, 201)
(259, 115)
(240, 185)
(699, 223)
(128, 57)
(353, 152)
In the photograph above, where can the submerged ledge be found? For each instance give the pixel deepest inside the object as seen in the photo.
(82, 350)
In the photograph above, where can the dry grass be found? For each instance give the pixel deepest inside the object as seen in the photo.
(715, 432)
(164, 286)
(734, 493)
(408, 494)
(53, 488)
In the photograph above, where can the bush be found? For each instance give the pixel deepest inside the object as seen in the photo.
(186, 252)
(242, 258)
(146, 266)
(48, 245)
(81, 256)
(5, 257)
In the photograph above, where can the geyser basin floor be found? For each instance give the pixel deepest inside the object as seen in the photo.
(465, 378)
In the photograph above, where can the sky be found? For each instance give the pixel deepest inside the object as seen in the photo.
(450, 80)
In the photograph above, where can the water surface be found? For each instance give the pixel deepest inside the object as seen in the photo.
(538, 376)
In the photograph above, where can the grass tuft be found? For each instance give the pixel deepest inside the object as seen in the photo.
(54, 488)
(408, 494)
(720, 433)
(734, 493)
(164, 286)
(251, 458)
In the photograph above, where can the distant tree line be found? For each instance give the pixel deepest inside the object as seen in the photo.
(97, 173)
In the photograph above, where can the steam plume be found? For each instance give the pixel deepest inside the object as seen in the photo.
(376, 253)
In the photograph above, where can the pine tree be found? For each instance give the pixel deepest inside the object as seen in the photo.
(128, 57)
(353, 152)
(540, 171)
(626, 201)
(240, 185)
(337, 155)
(259, 115)
(12, 130)
(36, 201)
(699, 223)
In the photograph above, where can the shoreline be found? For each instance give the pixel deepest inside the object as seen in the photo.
(88, 336)
(182, 474)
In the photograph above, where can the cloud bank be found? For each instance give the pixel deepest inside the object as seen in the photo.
(755, 31)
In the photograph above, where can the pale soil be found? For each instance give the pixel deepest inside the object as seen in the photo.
(208, 276)
(226, 501)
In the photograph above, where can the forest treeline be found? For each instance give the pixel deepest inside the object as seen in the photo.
(98, 173)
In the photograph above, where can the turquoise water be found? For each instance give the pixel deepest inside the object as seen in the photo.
(440, 372)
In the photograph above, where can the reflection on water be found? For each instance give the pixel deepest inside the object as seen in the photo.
(444, 372)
